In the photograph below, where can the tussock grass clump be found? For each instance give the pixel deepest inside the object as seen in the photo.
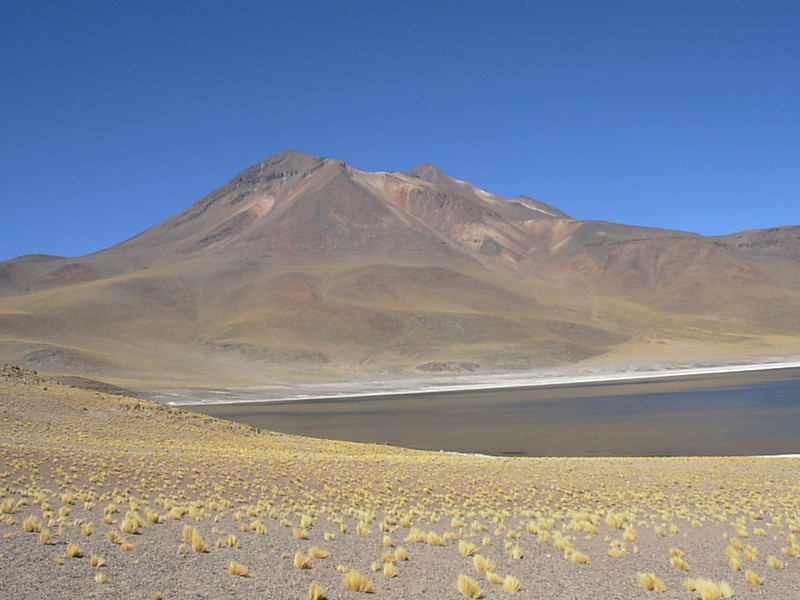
(96, 561)
(511, 585)
(482, 564)
(44, 536)
(101, 578)
(31, 524)
(494, 578)
(317, 552)
(707, 589)
(415, 536)
(753, 578)
(316, 591)
(400, 553)
(734, 563)
(577, 557)
(113, 537)
(616, 520)
(468, 587)
(197, 542)
(73, 551)
(773, 562)
(679, 564)
(238, 569)
(434, 539)
(467, 548)
(750, 553)
(301, 561)
(356, 582)
(649, 582)
(389, 570)
(363, 529)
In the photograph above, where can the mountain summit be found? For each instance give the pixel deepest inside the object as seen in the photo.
(305, 265)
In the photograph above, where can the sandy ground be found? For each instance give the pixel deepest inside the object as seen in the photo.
(169, 499)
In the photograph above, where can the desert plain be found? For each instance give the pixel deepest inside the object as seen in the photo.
(110, 496)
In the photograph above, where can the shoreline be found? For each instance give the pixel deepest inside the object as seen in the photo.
(380, 387)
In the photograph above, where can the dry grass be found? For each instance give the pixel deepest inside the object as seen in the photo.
(753, 578)
(511, 585)
(468, 587)
(318, 553)
(238, 569)
(356, 582)
(301, 561)
(707, 589)
(96, 561)
(649, 582)
(316, 591)
(679, 564)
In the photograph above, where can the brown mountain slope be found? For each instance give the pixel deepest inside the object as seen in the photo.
(305, 266)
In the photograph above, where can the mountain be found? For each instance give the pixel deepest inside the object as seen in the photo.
(304, 266)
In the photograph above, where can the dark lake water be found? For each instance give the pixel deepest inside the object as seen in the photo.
(744, 413)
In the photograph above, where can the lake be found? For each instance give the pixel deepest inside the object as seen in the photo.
(739, 413)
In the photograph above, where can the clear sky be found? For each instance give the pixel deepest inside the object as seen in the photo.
(674, 114)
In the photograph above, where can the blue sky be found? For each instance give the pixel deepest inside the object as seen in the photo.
(116, 115)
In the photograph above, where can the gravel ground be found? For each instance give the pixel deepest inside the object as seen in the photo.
(129, 481)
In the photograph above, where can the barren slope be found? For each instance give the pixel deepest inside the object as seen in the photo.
(305, 266)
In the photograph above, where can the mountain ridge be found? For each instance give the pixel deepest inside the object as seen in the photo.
(306, 264)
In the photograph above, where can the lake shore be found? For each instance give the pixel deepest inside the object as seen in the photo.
(383, 385)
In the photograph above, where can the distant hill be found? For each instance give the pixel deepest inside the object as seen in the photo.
(306, 267)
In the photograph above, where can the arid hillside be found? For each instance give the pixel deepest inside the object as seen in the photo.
(107, 496)
(306, 267)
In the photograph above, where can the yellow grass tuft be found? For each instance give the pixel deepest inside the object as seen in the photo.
(753, 578)
(96, 561)
(400, 553)
(679, 564)
(578, 557)
(495, 578)
(773, 562)
(482, 564)
(707, 589)
(750, 553)
(44, 536)
(649, 582)
(73, 551)
(316, 591)
(198, 545)
(238, 569)
(31, 524)
(356, 582)
(734, 563)
(466, 548)
(316, 552)
(101, 578)
(511, 585)
(301, 561)
(300, 534)
(389, 570)
(434, 539)
(468, 587)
